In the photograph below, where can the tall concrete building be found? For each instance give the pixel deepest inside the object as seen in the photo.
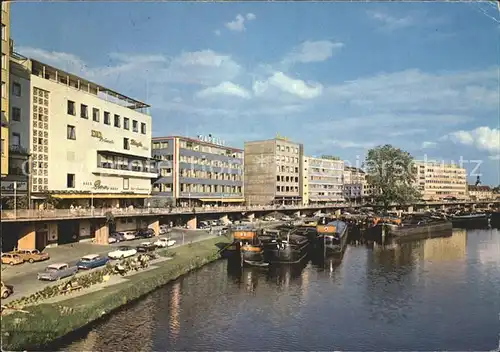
(89, 145)
(6, 48)
(273, 172)
(439, 180)
(324, 179)
(197, 171)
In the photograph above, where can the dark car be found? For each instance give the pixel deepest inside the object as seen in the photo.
(146, 247)
(91, 261)
(145, 233)
(118, 235)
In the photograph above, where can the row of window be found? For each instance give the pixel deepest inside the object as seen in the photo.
(334, 187)
(206, 162)
(288, 169)
(187, 187)
(185, 144)
(287, 159)
(96, 117)
(281, 178)
(287, 189)
(287, 149)
(208, 175)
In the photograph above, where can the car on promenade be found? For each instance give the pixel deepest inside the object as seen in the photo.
(57, 271)
(129, 235)
(122, 252)
(32, 255)
(164, 229)
(145, 233)
(118, 236)
(164, 242)
(91, 261)
(146, 247)
(112, 239)
(12, 258)
(7, 290)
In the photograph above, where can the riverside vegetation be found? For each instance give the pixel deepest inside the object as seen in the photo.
(39, 323)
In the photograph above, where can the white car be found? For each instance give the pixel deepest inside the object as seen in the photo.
(112, 240)
(122, 252)
(164, 242)
(286, 218)
(129, 235)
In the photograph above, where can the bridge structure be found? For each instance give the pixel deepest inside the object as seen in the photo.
(29, 228)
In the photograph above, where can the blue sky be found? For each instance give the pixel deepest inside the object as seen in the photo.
(338, 77)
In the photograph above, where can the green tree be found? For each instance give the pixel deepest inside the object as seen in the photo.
(392, 173)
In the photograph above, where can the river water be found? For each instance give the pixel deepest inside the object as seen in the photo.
(436, 294)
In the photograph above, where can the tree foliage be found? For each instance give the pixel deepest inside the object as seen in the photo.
(392, 173)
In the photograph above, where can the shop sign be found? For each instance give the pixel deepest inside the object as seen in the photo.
(100, 137)
(138, 144)
(20, 186)
(210, 139)
(98, 186)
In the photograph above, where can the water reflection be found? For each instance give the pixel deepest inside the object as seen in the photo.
(436, 294)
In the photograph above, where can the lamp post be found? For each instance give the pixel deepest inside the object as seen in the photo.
(15, 199)
(92, 202)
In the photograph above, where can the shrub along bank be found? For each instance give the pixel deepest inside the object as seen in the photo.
(43, 323)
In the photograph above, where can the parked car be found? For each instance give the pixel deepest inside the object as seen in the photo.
(32, 255)
(119, 236)
(129, 235)
(214, 222)
(146, 247)
(164, 242)
(7, 290)
(286, 218)
(122, 252)
(203, 225)
(57, 271)
(145, 233)
(112, 240)
(12, 258)
(91, 261)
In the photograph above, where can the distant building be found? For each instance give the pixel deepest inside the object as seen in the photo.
(356, 186)
(273, 172)
(323, 177)
(439, 180)
(197, 172)
(478, 192)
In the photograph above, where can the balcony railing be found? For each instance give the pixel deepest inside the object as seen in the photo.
(27, 214)
(18, 149)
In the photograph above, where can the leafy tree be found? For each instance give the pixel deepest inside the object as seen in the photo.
(392, 173)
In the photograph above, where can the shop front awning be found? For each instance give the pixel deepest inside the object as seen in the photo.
(99, 196)
(223, 200)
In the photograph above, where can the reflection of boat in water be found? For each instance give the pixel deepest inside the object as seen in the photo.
(332, 238)
(464, 219)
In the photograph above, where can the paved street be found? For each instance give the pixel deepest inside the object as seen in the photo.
(24, 277)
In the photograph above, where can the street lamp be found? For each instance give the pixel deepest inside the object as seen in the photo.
(15, 199)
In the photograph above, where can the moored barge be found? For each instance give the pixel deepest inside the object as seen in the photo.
(286, 249)
(332, 238)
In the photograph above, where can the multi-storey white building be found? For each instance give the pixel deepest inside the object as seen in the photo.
(439, 180)
(324, 179)
(87, 142)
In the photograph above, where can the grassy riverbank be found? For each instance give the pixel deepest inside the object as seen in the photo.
(45, 322)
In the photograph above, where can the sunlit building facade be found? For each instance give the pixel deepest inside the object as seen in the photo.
(436, 181)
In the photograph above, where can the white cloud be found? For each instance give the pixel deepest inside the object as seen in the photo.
(238, 24)
(312, 51)
(217, 32)
(390, 22)
(428, 145)
(225, 88)
(289, 85)
(482, 138)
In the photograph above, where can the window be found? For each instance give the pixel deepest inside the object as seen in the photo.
(126, 143)
(4, 32)
(4, 90)
(16, 89)
(126, 123)
(84, 111)
(95, 114)
(117, 121)
(135, 126)
(16, 114)
(71, 108)
(125, 183)
(70, 180)
(16, 139)
(4, 62)
(2, 146)
(143, 128)
(106, 118)
(71, 132)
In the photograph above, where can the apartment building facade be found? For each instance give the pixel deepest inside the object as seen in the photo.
(6, 49)
(89, 145)
(480, 192)
(324, 179)
(437, 180)
(273, 172)
(356, 186)
(197, 171)
(16, 182)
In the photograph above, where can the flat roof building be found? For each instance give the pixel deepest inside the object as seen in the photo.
(437, 180)
(88, 144)
(197, 171)
(324, 178)
(273, 172)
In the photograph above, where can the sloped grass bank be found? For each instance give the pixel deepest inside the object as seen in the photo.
(44, 323)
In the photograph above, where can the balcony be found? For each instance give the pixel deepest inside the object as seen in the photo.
(124, 170)
(17, 149)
